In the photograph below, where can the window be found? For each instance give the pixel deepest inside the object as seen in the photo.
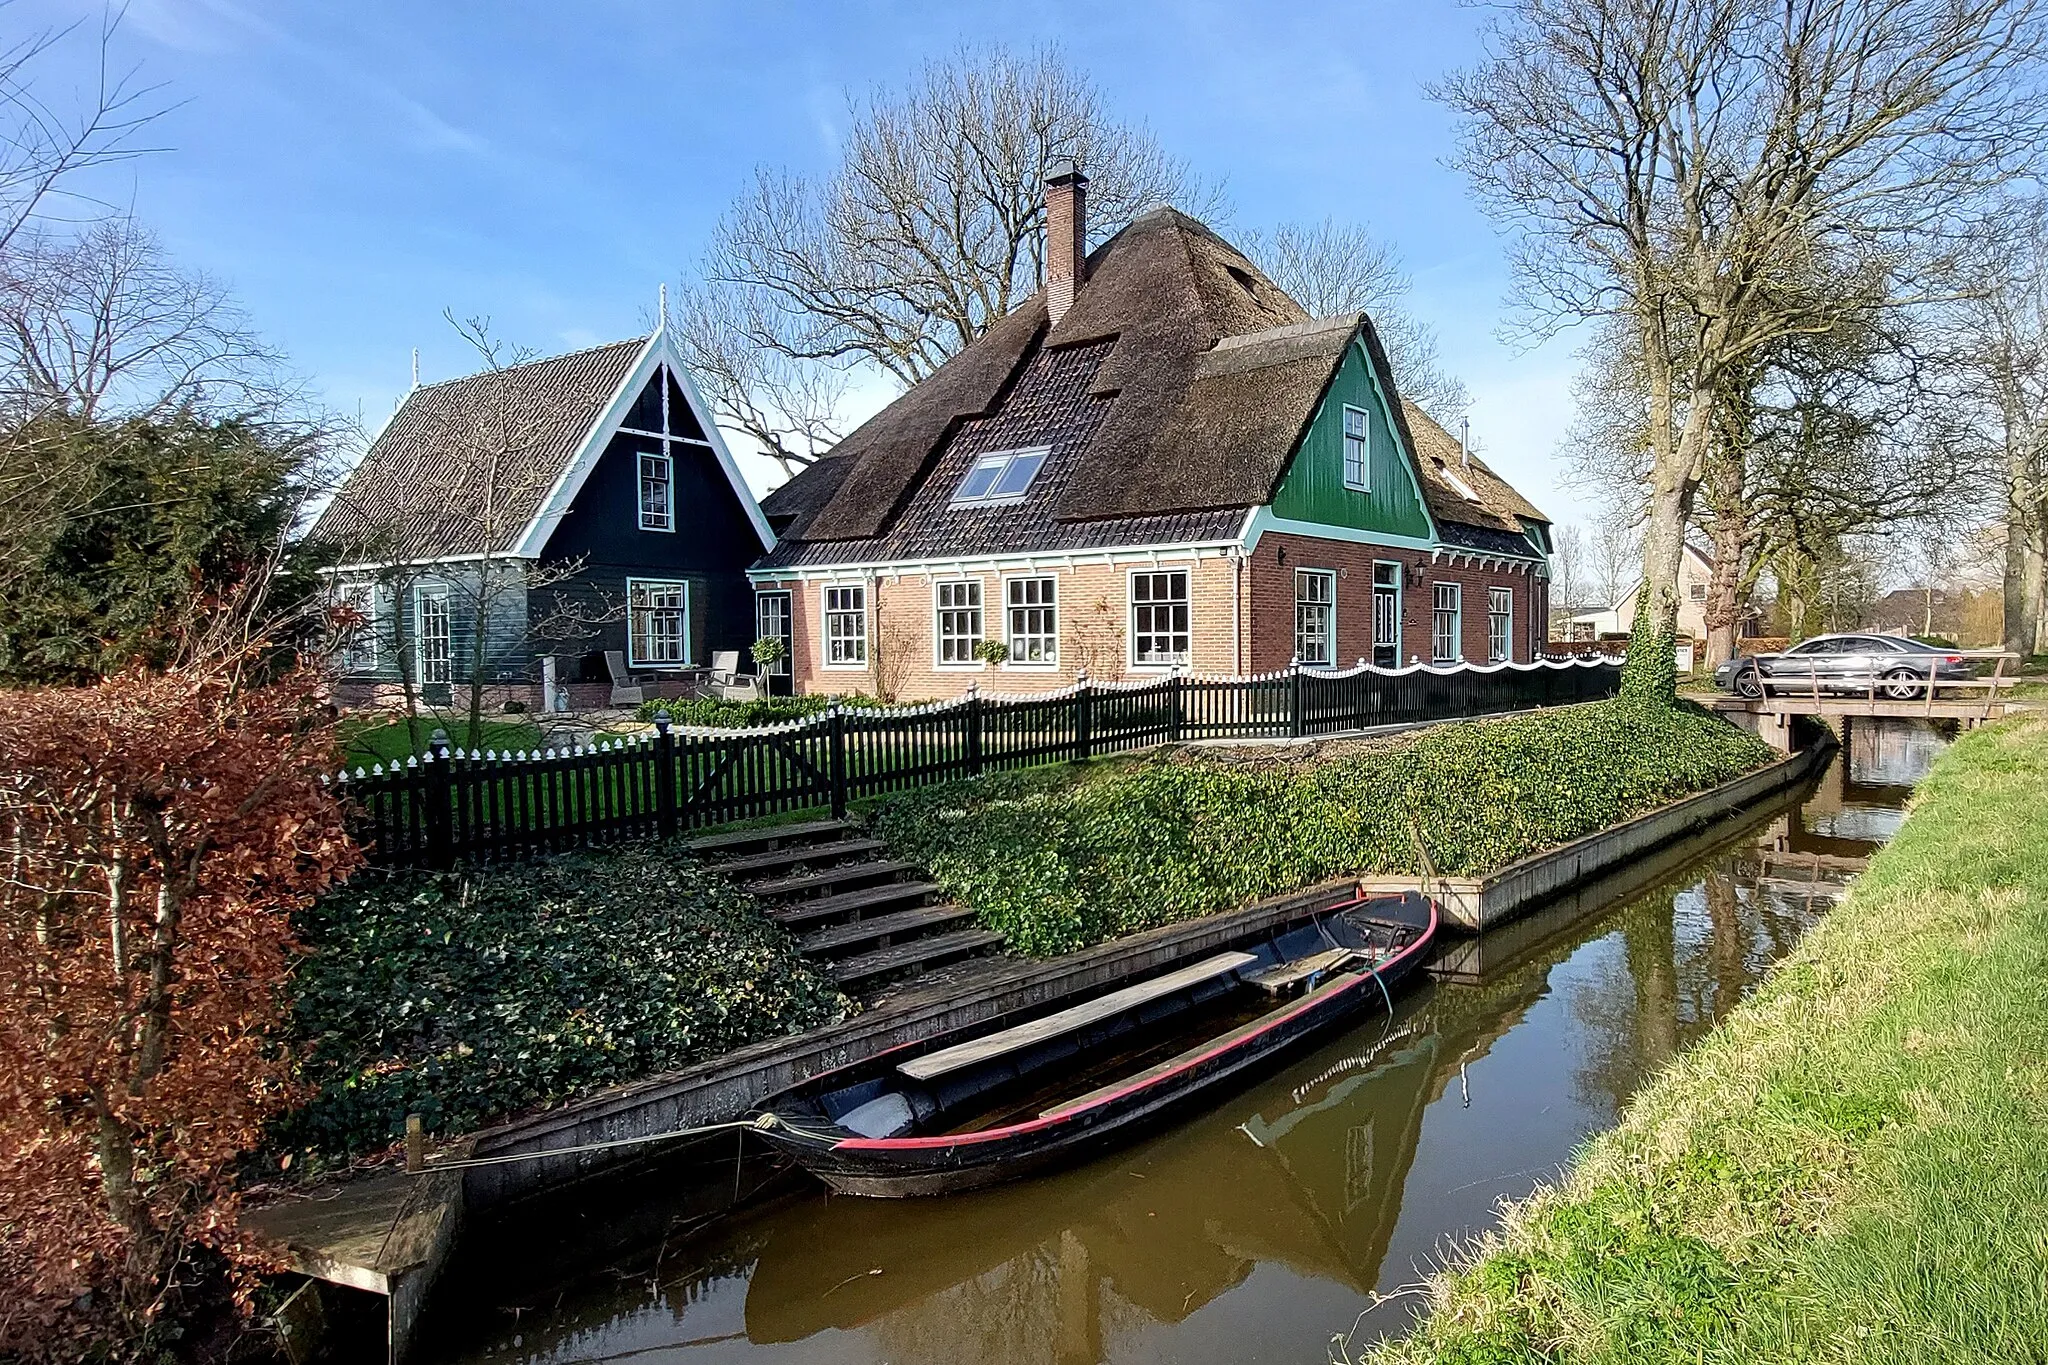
(846, 627)
(959, 621)
(1500, 616)
(359, 641)
(1444, 635)
(1357, 450)
(1000, 477)
(431, 607)
(1315, 617)
(1452, 477)
(1159, 618)
(1699, 592)
(657, 480)
(1034, 620)
(658, 623)
(771, 622)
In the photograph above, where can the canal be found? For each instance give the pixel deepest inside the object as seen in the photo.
(1293, 1211)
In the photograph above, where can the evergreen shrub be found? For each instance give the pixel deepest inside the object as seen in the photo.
(465, 997)
(1059, 858)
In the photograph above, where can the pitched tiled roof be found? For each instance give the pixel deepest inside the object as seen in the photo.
(432, 486)
(1201, 377)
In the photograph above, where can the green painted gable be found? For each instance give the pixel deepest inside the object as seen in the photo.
(1313, 488)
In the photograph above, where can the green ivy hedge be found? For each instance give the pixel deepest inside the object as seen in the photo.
(467, 998)
(716, 712)
(1059, 858)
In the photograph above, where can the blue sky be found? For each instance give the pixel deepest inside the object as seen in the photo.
(351, 170)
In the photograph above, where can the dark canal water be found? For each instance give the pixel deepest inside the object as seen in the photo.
(1260, 1229)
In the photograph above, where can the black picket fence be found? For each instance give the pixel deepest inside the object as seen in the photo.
(445, 806)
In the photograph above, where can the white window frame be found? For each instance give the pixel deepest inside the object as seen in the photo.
(826, 613)
(1500, 625)
(651, 520)
(1457, 615)
(634, 611)
(423, 595)
(967, 642)
(361, 649)
(1050, 606)
(1131, 619)
(1006, 459)
(1363, 482)
(780, 668)
(1302, 577)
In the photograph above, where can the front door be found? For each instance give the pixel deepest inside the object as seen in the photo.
(772, 622)
(1386, 615)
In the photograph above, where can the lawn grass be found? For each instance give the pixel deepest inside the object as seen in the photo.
(368, 740)
(1854, 1166)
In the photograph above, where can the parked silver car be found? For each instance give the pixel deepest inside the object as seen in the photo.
(1891, 665)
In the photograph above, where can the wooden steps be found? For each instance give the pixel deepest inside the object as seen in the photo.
(824, 878)
(915, 955)
(880, 930)
(864, 916)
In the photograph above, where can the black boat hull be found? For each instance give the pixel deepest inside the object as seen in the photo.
(896, 1168)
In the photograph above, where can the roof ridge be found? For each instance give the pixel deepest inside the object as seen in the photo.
(640, 340)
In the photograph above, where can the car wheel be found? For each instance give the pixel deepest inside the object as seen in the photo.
(1903, 684)
(1749, 683)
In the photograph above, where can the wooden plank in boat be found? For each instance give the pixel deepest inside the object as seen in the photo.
(1287, 975)
(961, 1055)
(1238, 1034)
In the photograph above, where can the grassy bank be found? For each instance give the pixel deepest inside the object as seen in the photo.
(1853, 1167)
(1058, 858)
(466, 997)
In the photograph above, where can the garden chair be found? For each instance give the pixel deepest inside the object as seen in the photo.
(628, 688)
(725, 681)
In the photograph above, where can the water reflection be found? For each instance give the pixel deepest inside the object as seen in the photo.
(1257, 1229)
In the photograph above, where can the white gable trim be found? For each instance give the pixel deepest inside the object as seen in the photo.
(562, 496)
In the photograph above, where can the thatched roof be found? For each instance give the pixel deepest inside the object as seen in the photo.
(1204, 377)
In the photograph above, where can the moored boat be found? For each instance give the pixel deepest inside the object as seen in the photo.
(975, 1107)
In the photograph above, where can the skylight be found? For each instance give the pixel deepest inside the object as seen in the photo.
(1000, 476)
(1464, 489)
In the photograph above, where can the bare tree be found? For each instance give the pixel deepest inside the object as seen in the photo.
(1330, 268)
(1615, 560)
(928, 232)
(1670, 160)
(1569, 587)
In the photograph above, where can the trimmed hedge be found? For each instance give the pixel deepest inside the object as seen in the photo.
(717, 713)
(467, 998)
(1059, 858)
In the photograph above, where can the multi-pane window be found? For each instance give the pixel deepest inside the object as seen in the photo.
(1159, 618)
(771, 622)
(1444, 626)
(846, 626)
(1001, 476)
(359, 639)
(1034, 620)
(1500, 617)
(1699, 592)
(959, 620)
(432, 637)
(1315, 616)
(657, 490)
(1357, 450)
(658, 622)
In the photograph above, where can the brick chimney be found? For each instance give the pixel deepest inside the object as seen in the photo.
(1066, 236)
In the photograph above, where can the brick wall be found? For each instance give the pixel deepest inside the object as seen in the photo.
(1272, 597)
(1094, 620)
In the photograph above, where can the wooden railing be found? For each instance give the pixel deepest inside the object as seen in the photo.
(1816, 686)
(447, 806)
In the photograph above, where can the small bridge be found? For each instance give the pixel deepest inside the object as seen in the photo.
(1971, 701)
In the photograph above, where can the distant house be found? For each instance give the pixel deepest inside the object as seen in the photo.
(1695, 573)
(563, 508)
(1159, 461)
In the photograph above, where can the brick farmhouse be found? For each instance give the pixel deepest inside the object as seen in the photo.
(1159, 461)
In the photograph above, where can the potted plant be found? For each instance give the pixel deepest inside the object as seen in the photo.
(991, 651)
(769, 651)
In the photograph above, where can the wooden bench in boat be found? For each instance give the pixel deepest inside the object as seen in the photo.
(962, 1055)
(1287, 975)
(1182, 1059)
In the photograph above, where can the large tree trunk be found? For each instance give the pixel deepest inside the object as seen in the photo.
(1651, 675)
(1729, 530)
(2026, 559)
